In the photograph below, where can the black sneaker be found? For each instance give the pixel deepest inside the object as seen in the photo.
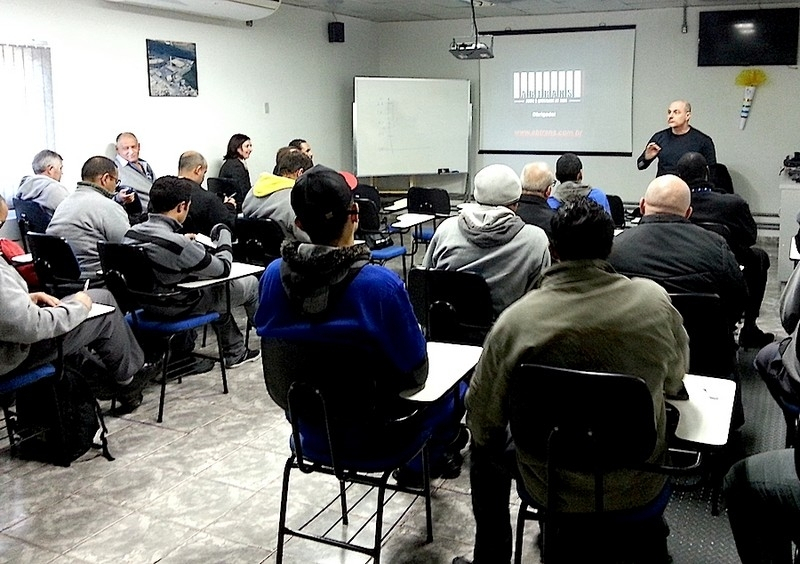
(461, 560)
(247, 356)
(754, 338)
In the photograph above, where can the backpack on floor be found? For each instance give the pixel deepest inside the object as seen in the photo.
(80, 419)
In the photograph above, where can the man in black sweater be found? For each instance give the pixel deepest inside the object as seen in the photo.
(207, 209)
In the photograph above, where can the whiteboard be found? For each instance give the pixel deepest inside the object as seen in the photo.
(410, 125)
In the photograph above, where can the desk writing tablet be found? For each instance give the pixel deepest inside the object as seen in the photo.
(705, 418)
(447, 364)
(238, 270)
(398, 205)
(99, 309)
(409, 220)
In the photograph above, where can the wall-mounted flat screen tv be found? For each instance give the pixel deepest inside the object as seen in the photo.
(748, 37)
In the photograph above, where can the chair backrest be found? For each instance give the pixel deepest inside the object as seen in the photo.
(452, 306)
(258, 241)
(712, 347)
(345, 373)
(128, 273)
(722, 178)
(617, 209)
(365, 191)
(718, 228)
(224, 186)
(53, 259)
(369, 220)
(38, 218)
(24, 228)
(581, 420)
(429, 200)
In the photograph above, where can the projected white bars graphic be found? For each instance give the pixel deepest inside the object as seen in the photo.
(548, 87)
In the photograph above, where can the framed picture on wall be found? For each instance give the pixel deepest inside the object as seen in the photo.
(172, 68)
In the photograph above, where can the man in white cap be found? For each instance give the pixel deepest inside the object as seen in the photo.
(490, 239)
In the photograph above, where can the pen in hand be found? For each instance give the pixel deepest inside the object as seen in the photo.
(86, 285)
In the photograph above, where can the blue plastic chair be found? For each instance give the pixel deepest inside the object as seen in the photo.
(129, 275)
(16, 380)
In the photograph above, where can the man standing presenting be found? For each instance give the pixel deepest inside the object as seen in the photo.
(670, 144)
(582, 316)
(134, 172)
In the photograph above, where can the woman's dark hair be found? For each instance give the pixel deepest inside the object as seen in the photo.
(582, 229)
(235, 143)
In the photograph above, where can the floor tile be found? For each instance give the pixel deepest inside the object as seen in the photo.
(13, 551)
(204, 548)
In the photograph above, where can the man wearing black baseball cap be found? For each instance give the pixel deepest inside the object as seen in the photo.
(324, 296)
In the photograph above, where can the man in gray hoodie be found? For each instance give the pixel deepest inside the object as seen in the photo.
(44, 187)
(490, 239)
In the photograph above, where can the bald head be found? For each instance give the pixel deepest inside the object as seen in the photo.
(667, 194)
(192, 165)
(537, 179)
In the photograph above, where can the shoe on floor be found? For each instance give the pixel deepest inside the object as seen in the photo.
(754, 338)
(461, 560)
(201, 366)
(247, 356)
(128, 404)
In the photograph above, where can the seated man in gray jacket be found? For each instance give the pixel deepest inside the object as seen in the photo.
(490, 239)
(179, 258)
(91, 214)
(31, 324)
(44, 187)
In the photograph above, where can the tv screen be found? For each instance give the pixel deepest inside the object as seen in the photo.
(748, 37)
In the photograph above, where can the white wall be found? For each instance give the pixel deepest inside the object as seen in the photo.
(100, 82)
(100, 87)
(665, 68)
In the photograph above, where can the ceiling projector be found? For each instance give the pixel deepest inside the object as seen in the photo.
(471, 50)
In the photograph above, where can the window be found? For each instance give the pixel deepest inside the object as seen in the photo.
(26, 110)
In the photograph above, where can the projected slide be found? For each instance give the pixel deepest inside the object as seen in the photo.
(559, 91)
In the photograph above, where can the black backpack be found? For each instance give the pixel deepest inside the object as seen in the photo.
(80, 416)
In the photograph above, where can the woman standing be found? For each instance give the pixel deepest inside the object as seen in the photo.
(235, 166)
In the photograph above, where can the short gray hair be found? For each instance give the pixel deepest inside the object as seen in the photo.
(45, 159)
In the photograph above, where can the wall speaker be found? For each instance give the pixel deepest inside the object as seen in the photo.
(336, 32)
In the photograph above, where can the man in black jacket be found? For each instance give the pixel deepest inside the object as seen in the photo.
(668, 249)
(537, 183)
(207, 209)
(731, 211)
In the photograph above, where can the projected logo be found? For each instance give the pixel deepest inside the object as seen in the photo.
(548, 87)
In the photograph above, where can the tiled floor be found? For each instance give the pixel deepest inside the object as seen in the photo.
(204, 486)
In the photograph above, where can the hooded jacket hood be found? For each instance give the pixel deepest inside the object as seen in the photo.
(569, 190)
(269, 183)
(489, 226)
(314, 276)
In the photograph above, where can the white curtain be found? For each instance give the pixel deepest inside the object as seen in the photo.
(26, 111)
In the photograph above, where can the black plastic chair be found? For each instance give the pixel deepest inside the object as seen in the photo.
(379, 240)
(617, 210)
(130, 278)
(258, 241)
(38, 217)
(712, 348)
(56, 266)
(451, 306)
(341, 428)
(222, 187)
(591, 423)
(435, 201)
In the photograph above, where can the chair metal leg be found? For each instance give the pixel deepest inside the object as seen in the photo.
(376, 551)
(287, 468)
(164, 369)
(221, 361)
(343, 499)
(520, 532)
(426, 480)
